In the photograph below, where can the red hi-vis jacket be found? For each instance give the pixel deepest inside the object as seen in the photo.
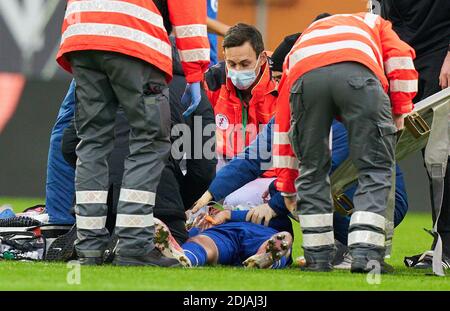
(364, 38)
(136, 28)
(228, 111)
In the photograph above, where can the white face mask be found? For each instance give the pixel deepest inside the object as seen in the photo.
(243, 79)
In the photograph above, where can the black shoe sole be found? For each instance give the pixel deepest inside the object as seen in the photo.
(91, 261)
(20, 221)
(63, 247)
(131, 263)
(317, 268)
(361, 267)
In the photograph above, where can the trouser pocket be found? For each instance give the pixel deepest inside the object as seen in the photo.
(157, 112)
(386, 147)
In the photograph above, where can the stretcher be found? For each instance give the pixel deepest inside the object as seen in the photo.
(426, 127)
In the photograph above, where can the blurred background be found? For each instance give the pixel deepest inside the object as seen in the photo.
(32, 86)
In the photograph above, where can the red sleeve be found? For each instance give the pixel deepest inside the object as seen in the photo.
(399, 68)
(189, 25)
(284, 160)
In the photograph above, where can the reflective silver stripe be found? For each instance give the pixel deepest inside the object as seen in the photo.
(318, 239)
(370, 19)
(316, 220)
(332, 46)
(285, 162)
(194, 55)
(281, 138)
(340, 30)
(403, 86)
(91, 197)
(330, 141)
(91, 223)
(329, 17)
(395, 63)
(368, 218)
(117, 31)
(189, 31)
(134, 221)
(122, 7)
(137, 196)
(367, 237)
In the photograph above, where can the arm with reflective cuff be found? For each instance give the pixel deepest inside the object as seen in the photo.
(284, 159)
(189, 25)
(399, 69)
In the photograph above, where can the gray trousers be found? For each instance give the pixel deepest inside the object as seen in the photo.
(353, 92)
(105, 81)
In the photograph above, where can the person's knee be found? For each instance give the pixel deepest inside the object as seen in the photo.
(208, 245)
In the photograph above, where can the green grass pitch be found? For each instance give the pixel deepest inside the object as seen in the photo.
(409, 239)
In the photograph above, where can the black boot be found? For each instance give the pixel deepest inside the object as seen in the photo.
(368, 260)
(154, 258)
(63, 247)
(90, 261)
(319, 261)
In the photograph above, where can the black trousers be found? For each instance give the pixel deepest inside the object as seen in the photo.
(429, 67)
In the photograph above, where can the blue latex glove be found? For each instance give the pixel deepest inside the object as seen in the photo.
(191, 98)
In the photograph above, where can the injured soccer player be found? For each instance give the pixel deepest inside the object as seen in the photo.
(225, 238)
(249, 165)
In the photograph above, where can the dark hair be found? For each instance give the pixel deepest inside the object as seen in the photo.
(240, 33)
(321, 15)
(162, 7)
(282, 50)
